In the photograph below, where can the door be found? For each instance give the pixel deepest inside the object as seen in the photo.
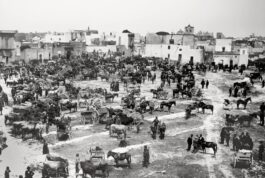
(7, 60)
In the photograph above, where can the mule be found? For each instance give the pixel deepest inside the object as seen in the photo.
(168, 104)
(120, 157)
(244, 102)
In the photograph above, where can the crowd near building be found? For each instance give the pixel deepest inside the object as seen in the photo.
(181, 47)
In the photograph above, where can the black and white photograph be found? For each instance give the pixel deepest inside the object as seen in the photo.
(132, 88)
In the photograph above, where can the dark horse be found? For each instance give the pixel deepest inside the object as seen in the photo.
(69, 106)
(168, 104)
(111, 96)
(120, 157)
(89, 168)
(176, 91)
(212, 145)
(205, 145)
(187, 93)
(244, 102)
(204, 106)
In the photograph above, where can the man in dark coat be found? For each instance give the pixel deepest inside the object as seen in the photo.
(146, 155)
(203, 83)
(189, 141)
(236, 91)
(7, 172)
(162, 130)
(45, 149)
(262, 107)
(29, 173)
(261, 116)
(153, 130)
(156, 122)
(222, 135)
(230, 91)
(261, 150)
(207, 84)
(227, 138)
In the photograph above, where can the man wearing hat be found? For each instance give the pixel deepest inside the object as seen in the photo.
(261, 150)
(29, 173)
(146, 156)
(7, 171)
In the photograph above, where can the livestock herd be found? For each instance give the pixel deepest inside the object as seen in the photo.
(43, 93)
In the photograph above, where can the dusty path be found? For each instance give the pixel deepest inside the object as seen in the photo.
(213, 124)
(18, 155)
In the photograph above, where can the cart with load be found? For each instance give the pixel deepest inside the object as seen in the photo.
(89, 116)
(243, 156)
(97, 152)
(63, 131)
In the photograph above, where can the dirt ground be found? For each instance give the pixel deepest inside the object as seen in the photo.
(168, 157)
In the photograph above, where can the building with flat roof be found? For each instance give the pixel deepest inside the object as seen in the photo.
(7, 46)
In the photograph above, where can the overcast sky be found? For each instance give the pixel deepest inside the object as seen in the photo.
(232, 17)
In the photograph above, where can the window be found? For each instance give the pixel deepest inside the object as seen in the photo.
(180, 57)
(168, 56)
(223, 49)
(168, 47)
(180, 49)
(243, 51)
(171, 41)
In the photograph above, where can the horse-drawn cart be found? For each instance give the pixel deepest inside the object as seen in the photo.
(243, 156)
(97, 152)
(89, 116)
(63, 131)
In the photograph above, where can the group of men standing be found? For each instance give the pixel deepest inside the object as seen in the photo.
(157, 126)
(197, 141)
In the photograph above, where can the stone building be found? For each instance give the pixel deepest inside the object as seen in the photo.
(7, 46)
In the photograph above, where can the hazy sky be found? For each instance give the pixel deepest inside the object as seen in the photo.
(232, 17)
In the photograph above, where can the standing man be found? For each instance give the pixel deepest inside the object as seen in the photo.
(146, 155)
(261, 150)
(45, 149)
(227, 138)
(153, 130)
(203, 83)
(7, 172)
(189, 141)
(236, 91)
(230, 91)
(162, 130)
(29, 173)
(207, 84)
(77, 163)
(262, 107)
(156, 122)
(261, 116)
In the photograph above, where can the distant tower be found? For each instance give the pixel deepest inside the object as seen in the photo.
(220, 35)
(189, 29)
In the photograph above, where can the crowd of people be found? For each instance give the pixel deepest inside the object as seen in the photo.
(158, 127)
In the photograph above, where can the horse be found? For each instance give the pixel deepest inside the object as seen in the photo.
(187, 93)
(111, 96)
(244, 102)
(118, 129)
(89, 168)
(255, 76)
(120, 157)
(69, 106)
(168, 104)
(206, 144)
(176, 91)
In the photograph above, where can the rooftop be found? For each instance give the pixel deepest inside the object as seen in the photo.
(8, 31)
